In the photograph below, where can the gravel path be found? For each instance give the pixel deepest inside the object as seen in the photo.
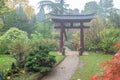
(65, 69)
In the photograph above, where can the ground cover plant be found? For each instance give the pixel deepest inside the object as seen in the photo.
(91, 65)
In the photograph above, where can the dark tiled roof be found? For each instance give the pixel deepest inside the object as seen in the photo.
(72, 18)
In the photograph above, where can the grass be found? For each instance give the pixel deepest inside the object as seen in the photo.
(6, 60)
(57, 57)
(91, 66)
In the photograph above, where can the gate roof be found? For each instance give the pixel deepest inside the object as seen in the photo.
(72, 18)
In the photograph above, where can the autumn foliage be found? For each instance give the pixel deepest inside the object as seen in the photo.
(111, 69)
(117, 45)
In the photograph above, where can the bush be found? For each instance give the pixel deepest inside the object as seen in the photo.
(103, 40)
(93, 35)
(109, 38)
(39, 60)
(12, 71)
(111, 69)
(9, 39)
(37, 39)
(51, 43)
(16, 42)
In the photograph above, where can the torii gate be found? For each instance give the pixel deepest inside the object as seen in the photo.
(62, 19)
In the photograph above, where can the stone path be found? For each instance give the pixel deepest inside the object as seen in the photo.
(65, 69)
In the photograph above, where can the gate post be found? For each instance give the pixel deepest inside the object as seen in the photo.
(61, 38)
(81, 38)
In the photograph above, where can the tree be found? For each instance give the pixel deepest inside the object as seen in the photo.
(29, 11)
(44, 29)
(10, 38)
(90, 7)
(18, 18)
(58, 7)
(115, 17)
(19, 14)
(105, 7)
(2, 5)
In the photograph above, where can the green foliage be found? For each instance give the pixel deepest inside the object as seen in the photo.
(45, 29)
(39, 60)
(73, 39)
(16, 42)
(102, 9)
(11, 38)
(2, 6)
(27, 76)
(109, 38)
(18, 18)
(13, 70)
(38, 39)
(51, 43)
(104, 40)
(58, 57)
(114, 18)
(93, 35)
(57, 7)
(5, 61)
(99, 38)
(90, 7)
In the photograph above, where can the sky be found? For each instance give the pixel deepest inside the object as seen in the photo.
(74, 4)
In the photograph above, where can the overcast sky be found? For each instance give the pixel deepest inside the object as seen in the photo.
(75, 4)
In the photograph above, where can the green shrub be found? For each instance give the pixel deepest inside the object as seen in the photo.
(39, 60)
(9, 39)
(93, 35)
(10, 72)
(101, 38)
(37, 39)
(20, 51)
(16, 42)
(109, 38)
(51, 43)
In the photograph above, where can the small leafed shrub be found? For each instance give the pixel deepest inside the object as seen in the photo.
(111, 69)
(39, 60)
(11, 71)
(10, 38)
(103, 41)
(109, 38)
(37, 39)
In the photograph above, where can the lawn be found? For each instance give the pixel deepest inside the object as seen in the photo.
(6, 60)
(91, 66)
(57, 57)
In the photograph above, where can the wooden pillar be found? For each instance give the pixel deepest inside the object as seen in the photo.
(81, 36)
(61, 37)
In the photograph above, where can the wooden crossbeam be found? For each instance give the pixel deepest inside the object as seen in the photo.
(73, 27)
